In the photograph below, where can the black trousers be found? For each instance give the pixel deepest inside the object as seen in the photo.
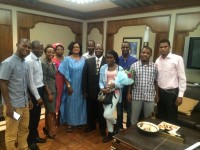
(34, 117)
(167, 110)
(95, 113)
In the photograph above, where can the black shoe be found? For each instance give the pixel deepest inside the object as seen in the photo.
(108, 137)
(103, 132)
(116, 129)
(47, 134)
(89, 129)
(33, 146)
(40, 140)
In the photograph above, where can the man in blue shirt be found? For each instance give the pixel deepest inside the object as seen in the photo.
(13, 83)
(125, 61)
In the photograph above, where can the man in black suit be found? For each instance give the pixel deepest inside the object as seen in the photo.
(90, 88)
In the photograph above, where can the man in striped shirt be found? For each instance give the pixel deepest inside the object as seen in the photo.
(143, 91)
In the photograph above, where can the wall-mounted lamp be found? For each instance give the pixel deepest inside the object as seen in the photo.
(146, 36)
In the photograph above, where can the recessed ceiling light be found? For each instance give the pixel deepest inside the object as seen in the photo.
(82, 1)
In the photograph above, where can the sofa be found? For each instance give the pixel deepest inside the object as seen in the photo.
(192, 121)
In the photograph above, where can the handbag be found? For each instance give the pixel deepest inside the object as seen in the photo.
(106, 99)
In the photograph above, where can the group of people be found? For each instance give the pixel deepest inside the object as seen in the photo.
(69, 86)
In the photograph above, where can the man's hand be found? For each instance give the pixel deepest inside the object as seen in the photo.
(156, 98)
(128, 97)
(30, 104)
(9, 111)
(85, 95)
(40, 102)
(179, 101)
(50, 96)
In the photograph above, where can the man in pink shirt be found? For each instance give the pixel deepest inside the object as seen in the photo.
(171, 82)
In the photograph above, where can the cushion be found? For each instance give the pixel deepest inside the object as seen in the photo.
(187, 105)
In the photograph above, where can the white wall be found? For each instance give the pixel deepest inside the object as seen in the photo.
(50, 33)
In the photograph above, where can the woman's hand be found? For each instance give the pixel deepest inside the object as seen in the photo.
(105, 90)
(69, 90)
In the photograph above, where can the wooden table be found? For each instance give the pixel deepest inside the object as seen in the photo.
(133, 139)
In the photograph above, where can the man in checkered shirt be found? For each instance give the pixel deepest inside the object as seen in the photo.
(143, 92)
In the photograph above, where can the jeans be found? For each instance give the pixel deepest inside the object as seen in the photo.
(148, 109)
(120, 110)
(108, 113)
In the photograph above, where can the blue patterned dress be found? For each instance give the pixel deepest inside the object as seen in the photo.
(73, 107)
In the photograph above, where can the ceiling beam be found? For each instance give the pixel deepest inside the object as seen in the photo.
(121, 3)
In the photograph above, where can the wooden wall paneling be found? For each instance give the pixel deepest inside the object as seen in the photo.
(6, 38)
(109, 41)
(78, 38)
(185, 23)
(6, 42)
(98, 25)
(23, 33)
(5, 17)
(29, 21)
(159, 36)
(179, 41)
(158, 25)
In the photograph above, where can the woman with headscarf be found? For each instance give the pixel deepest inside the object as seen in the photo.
(73, 105)
(58, 58)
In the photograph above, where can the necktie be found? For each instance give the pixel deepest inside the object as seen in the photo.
(97, 66)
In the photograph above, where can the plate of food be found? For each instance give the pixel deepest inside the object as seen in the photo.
(168, 126)
(148, 127)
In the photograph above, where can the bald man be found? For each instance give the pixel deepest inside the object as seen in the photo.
(36, 76)
(90, 86)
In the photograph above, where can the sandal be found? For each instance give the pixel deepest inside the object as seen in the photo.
(69, 128)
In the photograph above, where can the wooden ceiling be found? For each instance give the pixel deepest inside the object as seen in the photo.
(125, 7)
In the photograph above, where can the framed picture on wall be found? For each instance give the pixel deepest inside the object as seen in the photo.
(135, 43)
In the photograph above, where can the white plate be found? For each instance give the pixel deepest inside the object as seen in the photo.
(168, 126)
(148, 127)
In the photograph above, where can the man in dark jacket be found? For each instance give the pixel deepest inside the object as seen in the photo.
(90, 87)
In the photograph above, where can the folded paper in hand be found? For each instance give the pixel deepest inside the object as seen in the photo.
(16, 116)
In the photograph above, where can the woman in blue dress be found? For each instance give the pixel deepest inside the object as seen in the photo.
(73, 104)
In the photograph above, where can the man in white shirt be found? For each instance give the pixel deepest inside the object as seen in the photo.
(36, 76)
(171, 82)
(90, 48)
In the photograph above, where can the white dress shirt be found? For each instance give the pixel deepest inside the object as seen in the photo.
(171, 73)
(35, 74)
(87, 55)
(100, 59)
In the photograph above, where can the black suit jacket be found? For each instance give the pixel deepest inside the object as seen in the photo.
(90, 78)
